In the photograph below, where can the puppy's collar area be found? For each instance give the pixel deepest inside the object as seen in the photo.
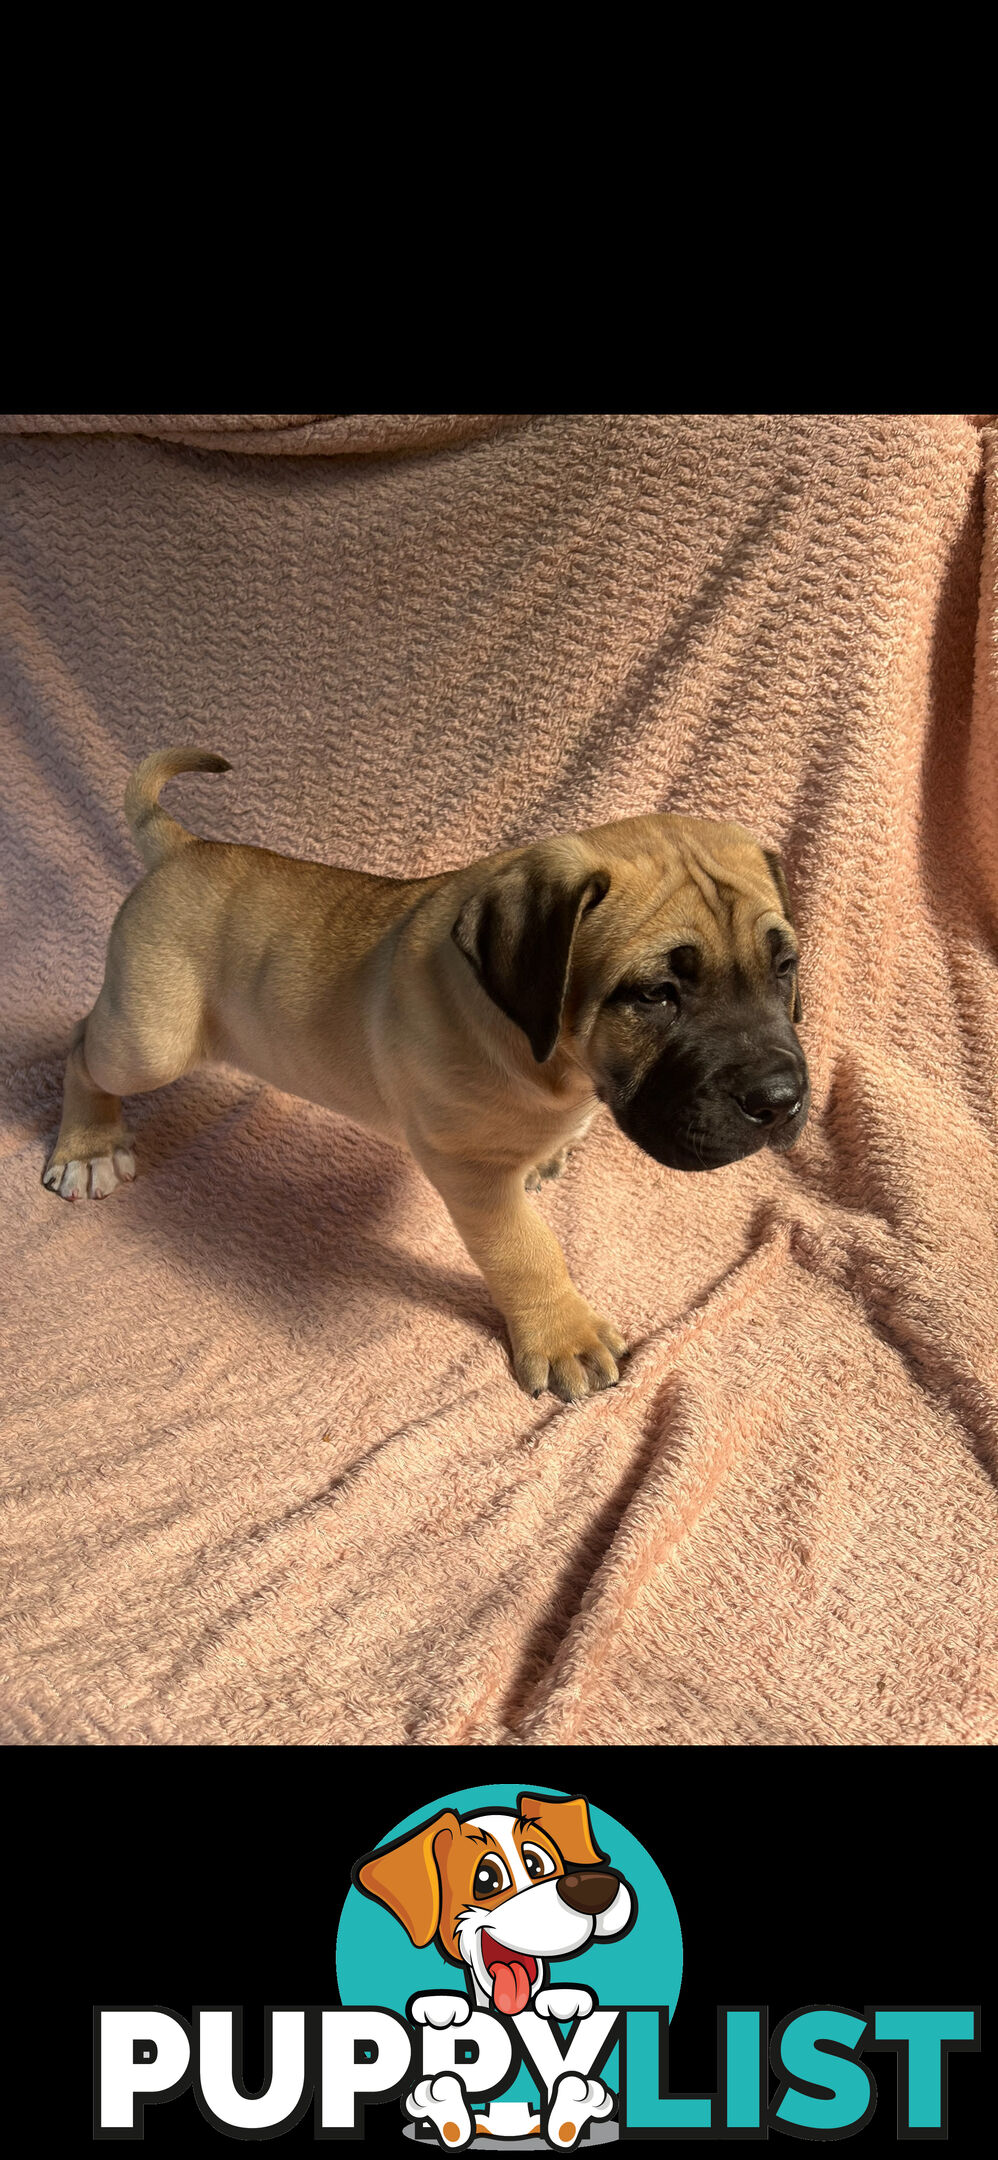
(512, 1973)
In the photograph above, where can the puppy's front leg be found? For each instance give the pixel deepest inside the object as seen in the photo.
(557, 1340)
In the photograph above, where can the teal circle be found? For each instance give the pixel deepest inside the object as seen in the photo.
(377, 1964)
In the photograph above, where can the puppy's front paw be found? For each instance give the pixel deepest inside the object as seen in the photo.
(569, 1348)
(440, 2010)
(564, 2003)
(90, 1177)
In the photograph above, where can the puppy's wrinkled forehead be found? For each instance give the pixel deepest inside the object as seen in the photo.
(685, 882)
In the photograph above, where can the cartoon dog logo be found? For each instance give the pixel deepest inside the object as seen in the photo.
(504, 1893)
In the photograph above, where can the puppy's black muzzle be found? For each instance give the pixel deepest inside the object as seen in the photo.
(771, 1093)
(711, 1100)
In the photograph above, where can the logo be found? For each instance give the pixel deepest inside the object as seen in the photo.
(508, 1964)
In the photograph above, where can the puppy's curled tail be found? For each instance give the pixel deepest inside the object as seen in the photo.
(157, 835)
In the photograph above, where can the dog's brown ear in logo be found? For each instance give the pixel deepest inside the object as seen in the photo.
(406, 1876)
(567, 1824)
(518, 932)
(778, 874)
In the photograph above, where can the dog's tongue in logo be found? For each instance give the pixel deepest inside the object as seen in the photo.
(512, 1973)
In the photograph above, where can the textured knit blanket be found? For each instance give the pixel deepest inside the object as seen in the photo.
(266, 1474)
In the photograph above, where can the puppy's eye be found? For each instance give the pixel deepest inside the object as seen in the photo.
(658, 994)
(490, 1877)
(537, 1863)
(786, 964)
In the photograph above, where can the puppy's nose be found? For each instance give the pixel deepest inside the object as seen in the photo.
(589, 1893)
(770, 1098)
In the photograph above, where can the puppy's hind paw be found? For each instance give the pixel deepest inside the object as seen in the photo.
(89, 1177)
(550, 1169)
(576, 2101)
(441, 2101)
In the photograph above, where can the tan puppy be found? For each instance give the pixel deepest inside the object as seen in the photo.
(476, 1017)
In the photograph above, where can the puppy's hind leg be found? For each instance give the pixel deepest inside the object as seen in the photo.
(94, 1153)
(555, 1164)
(550, 1169)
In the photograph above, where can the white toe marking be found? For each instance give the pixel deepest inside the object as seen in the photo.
(92, 1178)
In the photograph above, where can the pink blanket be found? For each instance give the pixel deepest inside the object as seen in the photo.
(267, 1476)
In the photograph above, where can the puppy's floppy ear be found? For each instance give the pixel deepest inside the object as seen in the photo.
(518, 931)
(567, 1824)
(406, 1876)
(776, 871)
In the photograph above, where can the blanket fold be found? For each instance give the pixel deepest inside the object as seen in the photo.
(278, 434)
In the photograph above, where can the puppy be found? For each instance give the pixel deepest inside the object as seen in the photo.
(502, 1893)
(477, 1017)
